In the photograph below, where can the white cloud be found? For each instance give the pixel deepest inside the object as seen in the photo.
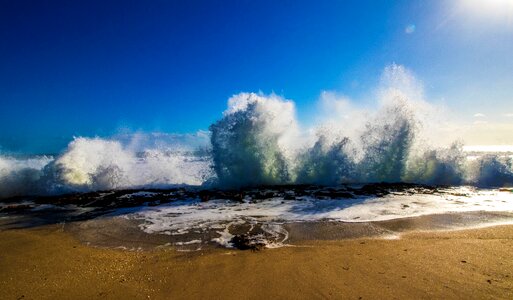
(509, 115)
(479, 115)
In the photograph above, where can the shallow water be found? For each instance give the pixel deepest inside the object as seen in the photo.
(193, 219)
(272, 214)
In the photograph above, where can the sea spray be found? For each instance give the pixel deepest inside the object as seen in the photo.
(490, 170)
(249, 149)
(259, 141)
(387, 142)
(249, 144)
(326, 164)
(21, 176)
(441, 166)
(93, 164)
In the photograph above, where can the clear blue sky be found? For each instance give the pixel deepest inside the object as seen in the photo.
(89, 68)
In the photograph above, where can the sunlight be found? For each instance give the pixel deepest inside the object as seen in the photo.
(498, 10)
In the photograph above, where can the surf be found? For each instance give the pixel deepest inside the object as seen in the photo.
(259, 141)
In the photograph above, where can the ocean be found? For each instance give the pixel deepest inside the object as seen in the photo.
(256, 174)
(149, 209)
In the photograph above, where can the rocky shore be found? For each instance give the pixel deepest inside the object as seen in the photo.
(83, 206)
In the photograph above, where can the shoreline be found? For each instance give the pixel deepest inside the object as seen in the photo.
(125, 233)
(47, 262)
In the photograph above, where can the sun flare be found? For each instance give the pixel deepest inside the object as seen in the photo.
(495, 9)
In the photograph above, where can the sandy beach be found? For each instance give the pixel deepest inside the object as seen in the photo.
(48, 263)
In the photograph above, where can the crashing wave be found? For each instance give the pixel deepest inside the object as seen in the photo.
(259, 141)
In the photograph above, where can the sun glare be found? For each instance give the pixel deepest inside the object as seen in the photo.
(498, 10)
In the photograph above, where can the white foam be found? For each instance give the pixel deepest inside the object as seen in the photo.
(94, 164)
(188, 243)
(189, 216)
(139, 194)
(225, 237)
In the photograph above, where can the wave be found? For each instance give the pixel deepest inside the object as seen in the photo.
(250, 149)
(91, 164)
(249, 144)
(21, 176)
(259, 141)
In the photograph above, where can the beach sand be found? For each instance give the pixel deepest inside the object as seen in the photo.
(48, 263)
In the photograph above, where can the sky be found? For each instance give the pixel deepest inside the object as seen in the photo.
(97, 68)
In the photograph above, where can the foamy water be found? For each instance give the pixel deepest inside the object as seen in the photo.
(194, 216)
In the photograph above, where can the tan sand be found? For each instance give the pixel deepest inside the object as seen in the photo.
(46, 263)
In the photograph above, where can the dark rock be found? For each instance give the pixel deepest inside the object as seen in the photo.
(205, 195)
(14, 208)
(245, 242)
(289, 197)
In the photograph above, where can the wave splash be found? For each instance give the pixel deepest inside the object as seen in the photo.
(249, 149)
(250, 144)
(91, 164)
(259, 141)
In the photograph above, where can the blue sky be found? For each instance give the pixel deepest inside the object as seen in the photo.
(86, 68)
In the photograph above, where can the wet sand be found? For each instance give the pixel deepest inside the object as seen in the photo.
(48, 263)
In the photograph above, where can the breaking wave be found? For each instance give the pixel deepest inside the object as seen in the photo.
(259, 141)
(90, 164)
